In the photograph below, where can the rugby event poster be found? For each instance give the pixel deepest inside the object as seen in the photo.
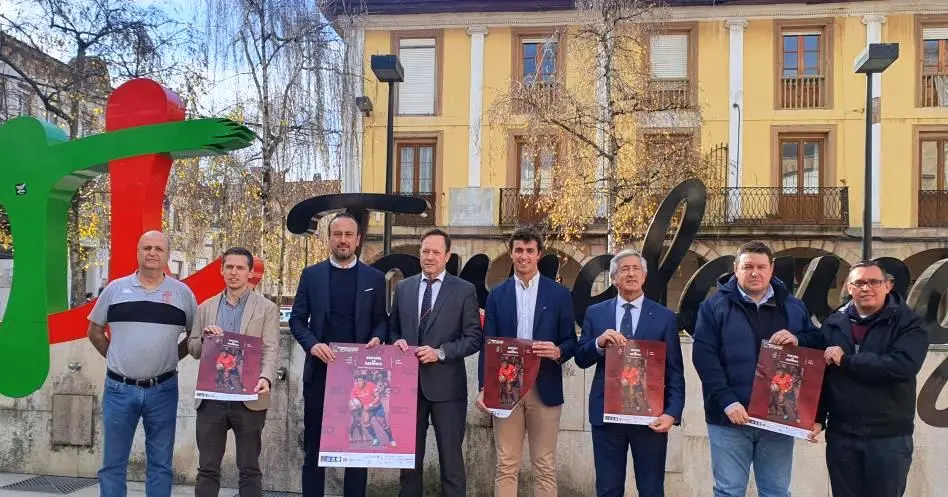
(634, 382)
(230, 367)
(510, 370)
(370, 408)
(786, 389)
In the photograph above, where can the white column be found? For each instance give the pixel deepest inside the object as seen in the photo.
(477, 34)
(874, 35)
(735, 111)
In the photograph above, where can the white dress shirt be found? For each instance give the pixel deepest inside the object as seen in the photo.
(335, 263)
(435, 288)
(526, 305)
(620, 312)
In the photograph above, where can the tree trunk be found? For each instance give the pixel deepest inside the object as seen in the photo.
(606, 131)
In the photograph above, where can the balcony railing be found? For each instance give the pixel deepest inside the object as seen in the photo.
(934, 91)
(742, 207)
(933, 208)
(427, 219)
(804, 92)
(669, 94)
(776, 207)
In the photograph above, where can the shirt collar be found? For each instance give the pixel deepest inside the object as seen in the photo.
(440, 277)
(243, 298)
(747, 298)
(137, 282)
(335, 263)
(529, 284)
(637, 303)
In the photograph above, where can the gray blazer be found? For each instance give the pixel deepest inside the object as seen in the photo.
(455, 325)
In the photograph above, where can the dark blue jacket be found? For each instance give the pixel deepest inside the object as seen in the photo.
(553, 321)
(726, 346)
(311, 311)
(656, 322)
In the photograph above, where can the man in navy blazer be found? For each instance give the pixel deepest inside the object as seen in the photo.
(530, 306)
(338, 300)
(631, 316)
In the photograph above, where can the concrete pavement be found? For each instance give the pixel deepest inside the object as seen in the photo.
(135, 489)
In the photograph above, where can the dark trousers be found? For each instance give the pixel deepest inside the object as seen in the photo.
(611, 444)
(214, 418)
(449, 419)
(868, 467)
(314, 477)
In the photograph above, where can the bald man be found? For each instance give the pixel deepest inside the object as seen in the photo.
(147, 312)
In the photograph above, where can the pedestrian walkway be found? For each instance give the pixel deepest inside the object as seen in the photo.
(87, 487)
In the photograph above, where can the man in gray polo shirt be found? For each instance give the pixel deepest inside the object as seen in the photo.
(146, 313)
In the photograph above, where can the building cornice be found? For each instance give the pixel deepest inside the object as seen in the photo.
(669, 14)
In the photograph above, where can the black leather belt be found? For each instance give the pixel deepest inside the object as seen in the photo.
(150, 382)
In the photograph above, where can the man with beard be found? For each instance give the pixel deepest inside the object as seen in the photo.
(876, 347)
(338, 300)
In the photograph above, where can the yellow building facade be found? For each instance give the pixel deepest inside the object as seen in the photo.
(777, 94)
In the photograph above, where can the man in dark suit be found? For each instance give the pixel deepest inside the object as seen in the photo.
(631, 316)
(438, 313)
(532, 307)
(338, 300)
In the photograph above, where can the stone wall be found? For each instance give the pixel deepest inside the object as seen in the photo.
(58, 431)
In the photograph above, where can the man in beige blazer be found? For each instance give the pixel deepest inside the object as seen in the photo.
(236, 309)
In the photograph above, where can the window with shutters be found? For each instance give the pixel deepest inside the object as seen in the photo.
(537, 62)
(420, 58)
(934, 64)
(415, 176)
(933, 178)
(803, 66)
(671, 69)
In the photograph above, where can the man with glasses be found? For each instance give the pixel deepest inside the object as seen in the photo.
(875, 348)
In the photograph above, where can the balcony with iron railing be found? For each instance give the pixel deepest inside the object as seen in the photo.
(934, 90)
(933, 208)
(744, 207)
(803, 92)
(669, 94)
(425, 219)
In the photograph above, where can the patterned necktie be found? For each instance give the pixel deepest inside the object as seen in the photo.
(627, 328)
(425, 307)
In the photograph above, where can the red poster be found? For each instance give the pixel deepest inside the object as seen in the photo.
(370, 408)
(635, 383)
(510, 369)
(787, 389)
(230, 367)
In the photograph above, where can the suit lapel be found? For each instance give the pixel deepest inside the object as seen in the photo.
(249, 308)
(411, 301)
(540, 306)
(359, 300)
(443, 293)
(322, 289)
(213, 309)
(510, 295)
(644, 326)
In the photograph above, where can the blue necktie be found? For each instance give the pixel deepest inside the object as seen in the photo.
(627, 328)
(425, 307)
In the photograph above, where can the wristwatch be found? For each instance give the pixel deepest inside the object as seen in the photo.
(441, 354)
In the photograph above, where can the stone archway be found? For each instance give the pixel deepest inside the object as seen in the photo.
(500, 266)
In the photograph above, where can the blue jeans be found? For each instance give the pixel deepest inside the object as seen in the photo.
(735, 448)
(122, 406)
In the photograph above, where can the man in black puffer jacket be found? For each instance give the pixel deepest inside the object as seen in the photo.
(875, 347)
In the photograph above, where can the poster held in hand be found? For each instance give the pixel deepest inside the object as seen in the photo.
(510, 370)
(634, 382)
(370, 408)
(230, 367)
(786, 389)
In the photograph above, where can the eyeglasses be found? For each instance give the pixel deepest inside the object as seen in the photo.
(864, 284)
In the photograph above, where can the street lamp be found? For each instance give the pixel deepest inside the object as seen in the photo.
(874, 59)
(389, 70)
